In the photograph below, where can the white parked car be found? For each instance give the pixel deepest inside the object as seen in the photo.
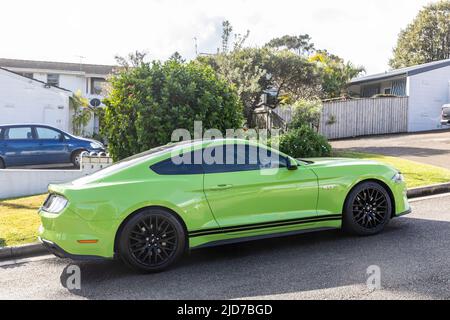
(445, 115)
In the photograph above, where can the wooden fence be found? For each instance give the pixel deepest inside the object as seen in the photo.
(361, 117)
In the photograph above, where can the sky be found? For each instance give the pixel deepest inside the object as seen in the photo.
(94, 31)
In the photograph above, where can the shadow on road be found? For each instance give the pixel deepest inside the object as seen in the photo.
(406, 252)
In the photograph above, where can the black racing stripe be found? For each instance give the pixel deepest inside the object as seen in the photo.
(265, 225)
(270, 222)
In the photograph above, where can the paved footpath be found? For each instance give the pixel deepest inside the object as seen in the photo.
(413, 255)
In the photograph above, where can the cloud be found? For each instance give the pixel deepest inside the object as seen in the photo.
(363, 31)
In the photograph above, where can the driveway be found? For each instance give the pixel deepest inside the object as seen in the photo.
(412, 254)
(431, 148)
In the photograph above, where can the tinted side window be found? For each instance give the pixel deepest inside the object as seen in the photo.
(18, 133)
(235, 158)
(174, 166)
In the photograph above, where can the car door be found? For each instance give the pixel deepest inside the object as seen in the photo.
(246, 192)
(19, 146)
(52, 146)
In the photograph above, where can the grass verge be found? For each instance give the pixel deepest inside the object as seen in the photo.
(19, 221)
(416, 174)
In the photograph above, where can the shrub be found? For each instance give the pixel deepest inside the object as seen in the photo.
(306, 113)
(304, 142)
(147, 102)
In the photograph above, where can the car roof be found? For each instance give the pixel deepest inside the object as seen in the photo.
(27, 125)
(189, 145)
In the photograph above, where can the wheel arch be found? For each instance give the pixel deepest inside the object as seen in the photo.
(381, 183)
(76, 150)
(131, 215)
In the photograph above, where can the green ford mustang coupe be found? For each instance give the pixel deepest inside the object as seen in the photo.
(150, 208)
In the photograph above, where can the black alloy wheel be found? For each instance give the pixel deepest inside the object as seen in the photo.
(152, 240)
(368, 209)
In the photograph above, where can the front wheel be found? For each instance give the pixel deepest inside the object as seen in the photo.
(2, 164)
(367, 209)
(152, 241)
(76, 158)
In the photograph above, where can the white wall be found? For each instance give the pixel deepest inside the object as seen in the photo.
(73, 83)
(25, 100)
(428, 91)
(22, 183)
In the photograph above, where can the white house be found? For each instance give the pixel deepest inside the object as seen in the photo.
(25, 100)
(87, 78)
(427, 87)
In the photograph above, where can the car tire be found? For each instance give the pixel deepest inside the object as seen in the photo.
(367, 209)
(152, 241)
(2, 164)
(76, 158)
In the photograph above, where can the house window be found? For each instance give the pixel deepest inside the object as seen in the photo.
(370, 91)
(387, 91)
(97, 85)
(53, 79)
(399, 87)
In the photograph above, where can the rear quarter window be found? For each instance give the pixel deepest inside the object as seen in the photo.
(168, 167)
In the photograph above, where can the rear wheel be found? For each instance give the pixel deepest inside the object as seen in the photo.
(2, 164)
(367, 209)
(152, 241)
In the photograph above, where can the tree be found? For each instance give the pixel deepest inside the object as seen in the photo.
(82, 113)
(147, 102)
(255, 71)
(426, 39)
(244, 70)
(300, 45)
(292, 77)
(306, 113)
(227, 30)
(177, 57)
(335, 73)
(134, 59)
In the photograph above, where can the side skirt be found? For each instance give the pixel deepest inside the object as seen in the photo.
(260, 237)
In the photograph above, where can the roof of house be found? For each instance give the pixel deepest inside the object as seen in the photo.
(63, 66)
(409, 71)
(35, 80)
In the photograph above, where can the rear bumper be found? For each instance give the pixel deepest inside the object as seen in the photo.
(63, 234)
(403, 213)
(61, 253)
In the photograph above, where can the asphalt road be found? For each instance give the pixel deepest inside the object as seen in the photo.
(413, 255)
(431, 148)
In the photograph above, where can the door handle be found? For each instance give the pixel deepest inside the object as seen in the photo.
(222, 187)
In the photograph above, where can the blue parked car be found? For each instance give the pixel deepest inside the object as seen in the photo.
(35, 144)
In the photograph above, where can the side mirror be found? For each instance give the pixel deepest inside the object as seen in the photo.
(292, 164)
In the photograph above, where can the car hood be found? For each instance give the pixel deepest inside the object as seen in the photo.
(331, 162)
(87, 139)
